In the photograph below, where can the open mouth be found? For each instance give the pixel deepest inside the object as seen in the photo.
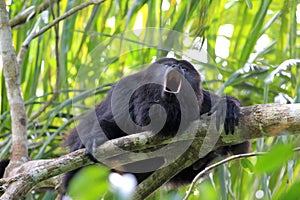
(172, 83)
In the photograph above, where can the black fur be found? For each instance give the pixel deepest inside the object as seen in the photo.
(3, 164)
(142, 99)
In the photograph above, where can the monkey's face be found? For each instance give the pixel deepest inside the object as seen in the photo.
(175, 71)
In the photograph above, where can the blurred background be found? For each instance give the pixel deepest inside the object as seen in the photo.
(244, 48)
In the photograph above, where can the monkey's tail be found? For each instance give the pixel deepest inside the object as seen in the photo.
(3, 164)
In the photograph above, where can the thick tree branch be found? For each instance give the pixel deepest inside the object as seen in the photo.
(11, 70)
(256, 121)
(33, 172)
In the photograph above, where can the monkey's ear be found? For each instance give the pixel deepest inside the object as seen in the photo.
(172, 81)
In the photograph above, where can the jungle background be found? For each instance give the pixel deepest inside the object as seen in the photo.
(243, 48)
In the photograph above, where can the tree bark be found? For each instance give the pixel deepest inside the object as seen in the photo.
(11, 70)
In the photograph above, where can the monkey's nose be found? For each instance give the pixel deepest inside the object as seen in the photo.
(179, 67)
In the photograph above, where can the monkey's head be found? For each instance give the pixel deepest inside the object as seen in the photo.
(172, 84)
(173, 72)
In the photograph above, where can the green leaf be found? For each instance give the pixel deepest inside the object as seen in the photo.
(292, 193)
(205, 191)
(249, 4)
(247, 165)
(274, 159)
(90, 183)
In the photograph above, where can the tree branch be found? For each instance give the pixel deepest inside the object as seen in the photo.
(33, 172)
(255, 121)
(11, 70)
(29, 13)
(221, 162)
(210, 167)
(35, 34)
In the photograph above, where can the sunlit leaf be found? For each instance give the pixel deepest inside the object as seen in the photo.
(90, 183)
(249, 3)
(276, 158)
(247, 165)
(292, 193)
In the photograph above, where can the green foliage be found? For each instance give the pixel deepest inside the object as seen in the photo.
(206, 191)
(90, 183)
(247, 44)
(277, 156)
(292, 193)
(247, 165)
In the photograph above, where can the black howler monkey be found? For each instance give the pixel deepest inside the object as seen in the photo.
(164, 98)
(173, 84)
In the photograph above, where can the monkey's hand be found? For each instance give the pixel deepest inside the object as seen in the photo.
(228, 107)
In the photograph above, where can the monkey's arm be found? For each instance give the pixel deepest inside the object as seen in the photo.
(213, 103)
